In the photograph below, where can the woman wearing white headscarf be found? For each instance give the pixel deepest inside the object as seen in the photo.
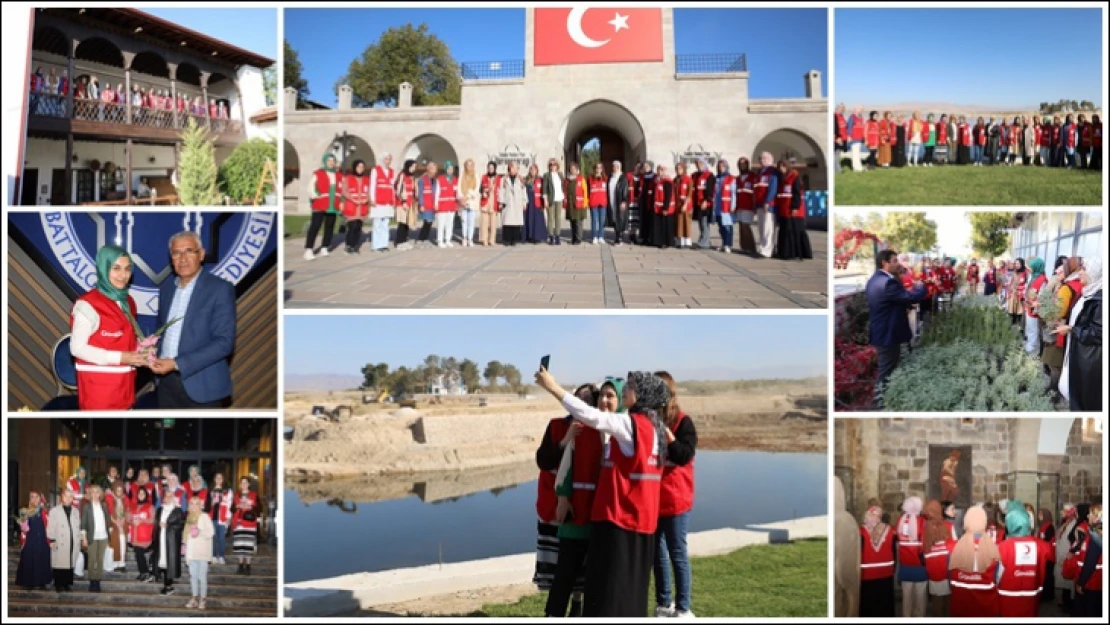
(1081, 380)
(911, 559)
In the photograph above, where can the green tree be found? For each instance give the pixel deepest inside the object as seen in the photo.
(432, 368)
(197, 174)
(909, 232)
(269, 85)
(242, 171)
(404, 54)
(588, 158)
(374, 376)
(404, 381)
(450, 365)
(471, 377)
(291, 74)
(990, 234)
(493, 372)
(512, 377)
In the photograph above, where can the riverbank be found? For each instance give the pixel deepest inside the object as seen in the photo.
(423, 590)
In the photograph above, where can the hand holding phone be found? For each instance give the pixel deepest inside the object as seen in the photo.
(545, 362)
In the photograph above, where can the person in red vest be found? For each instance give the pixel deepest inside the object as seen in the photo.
(746, 183)
(910, 531)
(940, 152)
(765, 193)
(559, 558)
(683, 204)
(406, 211)
(1021, 564)
(1096, 143)
(381, 202)
(705, 186)
(598, 202)
(576, 190)
(857, 137)
(872, 136)
(103, 337)
(963, 142)
(1046, 533)
(724, 203)
(141, 531)
(979, 136)
(939, 542)
(445, 203)
(973, 277)
(973, 570)
(489, 206)
(1059, 158)
(355, 190)
(878, 544)
(665, 209)
(625, 513)
(1088, 583)
(244, 525)
(790, 213)
(1037, 279)
(676, 499)
(326, 201)
(841, 138)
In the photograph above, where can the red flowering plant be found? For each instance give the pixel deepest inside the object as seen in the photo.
(846, 243)
(856, 362)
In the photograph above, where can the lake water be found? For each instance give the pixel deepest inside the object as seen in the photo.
(733, 489)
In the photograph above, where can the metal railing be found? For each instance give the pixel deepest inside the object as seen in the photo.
(492, 70)
(54, 105)
(710, 63)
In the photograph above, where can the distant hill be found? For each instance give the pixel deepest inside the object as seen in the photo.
(937, 108)
(321, 382)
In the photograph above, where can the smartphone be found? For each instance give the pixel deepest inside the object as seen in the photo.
(545, 362)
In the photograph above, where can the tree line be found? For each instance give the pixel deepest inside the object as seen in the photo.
(500, 377)
(913, 233)
(1067, 106)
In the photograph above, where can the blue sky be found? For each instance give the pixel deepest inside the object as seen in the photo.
(328, 39)
(991, 57)
(581, 347)
(254, 30)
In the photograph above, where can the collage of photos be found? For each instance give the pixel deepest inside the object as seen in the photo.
(367, 375)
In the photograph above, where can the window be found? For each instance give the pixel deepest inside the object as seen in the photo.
(252, 433)
(143, 435)
(107, 434)
(218, 434)
(1066, 246)
(73, 434)
(1090, 244)
(180, 434)
(1092, 219)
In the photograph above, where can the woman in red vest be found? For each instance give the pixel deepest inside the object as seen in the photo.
(973, 570)
(326, 201)
(877, 548)
(406, 212)
(664, 197)
(676, 499)
(103, 336)
(683, 203)
(577, 203)
(873, 137)
(356, 205)
(1037, 279)
(244, 525)
(911, 558)
(1082, 370)
(141, 531)
(535, 220)
(1021, 562)
(381, 201)
(938, 544)
(1046, 533)
(1088, 584)
(625, 511)
(598, 202)
(790, 213)
(1015, 294)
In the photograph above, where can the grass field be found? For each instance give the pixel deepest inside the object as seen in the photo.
(968, 186)
(760, 581)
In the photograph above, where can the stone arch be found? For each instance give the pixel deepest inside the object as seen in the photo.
(618, 131)
(99, 50)
(189, 74)
(430, 147)
(797, 144)
(220, 87)
(1055, 434)
(51, 39)
(291, 170)
(151, 64)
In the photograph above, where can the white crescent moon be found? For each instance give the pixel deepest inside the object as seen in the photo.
(574, 29)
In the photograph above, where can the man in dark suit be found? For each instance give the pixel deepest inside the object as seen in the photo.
(617, 192)
(887, 303)
(192, 367)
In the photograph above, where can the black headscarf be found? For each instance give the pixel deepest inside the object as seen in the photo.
(1082, 510)
(651, 399)
(409, 164)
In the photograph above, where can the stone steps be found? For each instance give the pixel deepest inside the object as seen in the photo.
(226, 570)
(171, 607)
(110, 597)
(217, 587)
(223, 579)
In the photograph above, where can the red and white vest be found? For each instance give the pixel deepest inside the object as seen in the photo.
(876, 563)
(323, 191)
(1071, 136)
(428, 199)
(383, 186)
(585, 473)
(974, 594)
(220, 510)
(997, 534)
(491, 188)
(202, 493)
(1095, 581)
(727, 195)
(745, 191)
(761, 187)
(597, 192)
(785, 197)
(676, 491)
(1023, 567)
(141, 532)
(702, 192)
(447, 202)
(78, 490)
(357, 192)
(107, 387)
(580, 196)
(872, 131)
(628, 486)
(841, 127)
(682, 185)
(857, 128)
(238, 520)
(660, 208)
(936, 560)
(910, 549)
(942, 132)
(537, 192)
(546, 501)
(408, 192)
(1042, 535)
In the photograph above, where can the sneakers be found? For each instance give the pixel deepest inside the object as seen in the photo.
(192, 603)
(308, 255)
(203, 604)
(324, 251)
(684, 614)
(664, 611)
(167, 590)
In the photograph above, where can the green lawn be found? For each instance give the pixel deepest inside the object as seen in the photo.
(761, 581)
(295, 224)
(968, 186)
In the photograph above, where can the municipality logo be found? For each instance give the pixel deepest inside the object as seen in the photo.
(74, 239)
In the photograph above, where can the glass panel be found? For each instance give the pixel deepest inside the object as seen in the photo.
(143, 435)
(251, 434)
(73, 434)
(224, 466)
(1065, 246)
(1092, 219)
(1090, 244)
(67, 466)
(218, 434)
(107, 434)
(1065, 222)
(180, 434)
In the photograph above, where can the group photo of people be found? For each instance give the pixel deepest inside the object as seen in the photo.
(757, 211)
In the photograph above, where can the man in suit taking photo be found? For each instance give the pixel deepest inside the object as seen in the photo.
(888, 302)
(192, 365)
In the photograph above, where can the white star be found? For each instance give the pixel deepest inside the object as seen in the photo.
(619, 21)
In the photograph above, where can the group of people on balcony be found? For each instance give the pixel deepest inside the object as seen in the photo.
(145, 102)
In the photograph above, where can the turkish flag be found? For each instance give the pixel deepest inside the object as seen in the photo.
(597, 35)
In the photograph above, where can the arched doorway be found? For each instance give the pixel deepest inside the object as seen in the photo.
(291, 171)
(429, 148)
(605, 130)
(787, 143)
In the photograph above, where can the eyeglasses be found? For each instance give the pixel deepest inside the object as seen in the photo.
(181, 253)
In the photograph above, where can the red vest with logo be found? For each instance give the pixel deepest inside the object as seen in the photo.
(597, 192)
(660, 208)
(973, 594)
(579, 198)
(491, 188)
(546, 500)
(107, 387)
(973, 273)
(238, 519)
(537, 191)
(762, 186)
(357, 190)
(745, 191)
(628, 487)
(885, 130)
(872, 134)
(447, 203)
(383, 187)
(936, 560)
(910, 550)
(323, 185)
(1096, 135)
(1056, 134)
(942, 132)
(857, 128)
(142, 532)
(1037, 132)
(841, 127)
(982, 136)
(1042, 535)
(428, 193)
(682, 186)
(586, 469)
(785, 198)
(1095, 581)
(965, 134)
(77, 489)
(876, 563)
(201, 493)
(1034, 287)
(1004, 135)
(701, 190)
(1085, 136)
(1023, 566)
(676, 492)
(726, 196)
(221, 507)
(408, 191)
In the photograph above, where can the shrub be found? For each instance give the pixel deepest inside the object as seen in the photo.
(196, 168)
(242, 171)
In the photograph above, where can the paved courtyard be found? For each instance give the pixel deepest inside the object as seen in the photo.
(542, 276)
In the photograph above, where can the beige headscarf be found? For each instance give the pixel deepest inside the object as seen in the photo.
(967, 556)
(873, 523)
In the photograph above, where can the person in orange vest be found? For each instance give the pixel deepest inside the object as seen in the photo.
(684, 205)
(355, 189)
(886, 138)
(381, 201)
(577, 203)
(103, 336)
(1021, 565)
(878, 544)
(664, 210)
(910, 531)
(872, 136)
(676, 499)
(939, 542)
(326, 202)
(973, 570)
(1088, 585)
(790, 213)
(625, 509)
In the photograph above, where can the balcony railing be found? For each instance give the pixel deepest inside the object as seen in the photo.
(55, 105)
(710, 63)
(492, 70)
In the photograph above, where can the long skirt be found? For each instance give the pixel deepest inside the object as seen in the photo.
(884, 155)
(793, 241)
(618, 572)
(876, 598)
(33, 569)
(244, 540)
(547, 555)
(535, 225)
(963, 155)
(663, 230)
(647, 223)
(117, 547)
(63, 578)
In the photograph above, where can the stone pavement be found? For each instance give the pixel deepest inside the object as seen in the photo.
(542, 276)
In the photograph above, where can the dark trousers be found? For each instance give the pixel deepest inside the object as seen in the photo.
(425, 230)
(402, 235)
(1090, 603)
(575, 231)
(1084, 155)
(354, 233)
(327, 220)
(888, 361)
(142, 558)
(929, 150)
(620, 222)
(1096, 158)
(570, 569)
(172, 394)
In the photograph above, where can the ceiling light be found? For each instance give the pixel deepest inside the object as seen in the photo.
(214, 53)
(138, 29)
(182, 43)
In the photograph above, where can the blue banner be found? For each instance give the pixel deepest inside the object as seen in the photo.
(234, 244)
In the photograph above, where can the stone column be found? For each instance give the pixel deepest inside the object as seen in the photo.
(128, 58)
(242, 109)
(127, 180)
(290, 100)
(204, 76)
(67, 188)
(404, 98)
(345, 94)
(173, 94)
(813, 84)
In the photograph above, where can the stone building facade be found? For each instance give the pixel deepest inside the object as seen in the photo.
(642, 111)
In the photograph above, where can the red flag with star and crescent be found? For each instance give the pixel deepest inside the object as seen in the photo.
(597, 35)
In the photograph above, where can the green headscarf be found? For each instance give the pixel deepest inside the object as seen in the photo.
(105, 258)
(1036, 268)
(203, 482)
(332, 208)
(77, 476)
(618, 386)
(1018, 523)
(448, 176)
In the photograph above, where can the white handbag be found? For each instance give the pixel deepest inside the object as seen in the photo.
(79, 566)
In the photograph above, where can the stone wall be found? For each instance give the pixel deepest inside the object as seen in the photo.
(1080, 468)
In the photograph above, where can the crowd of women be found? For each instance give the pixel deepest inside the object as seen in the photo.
(648, 206)
(889, 140)
(162, 520)
(986, 561)
(615, 492)
(146, 102)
